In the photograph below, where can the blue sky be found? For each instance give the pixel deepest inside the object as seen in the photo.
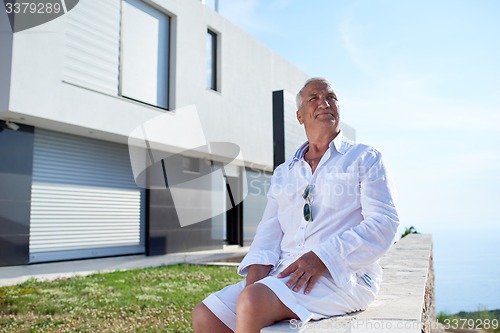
(420, 81)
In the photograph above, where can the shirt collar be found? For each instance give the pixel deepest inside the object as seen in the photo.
(337, 143)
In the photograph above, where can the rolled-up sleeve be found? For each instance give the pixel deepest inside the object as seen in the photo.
(365, 243)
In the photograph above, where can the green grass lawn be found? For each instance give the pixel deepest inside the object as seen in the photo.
(142, 300)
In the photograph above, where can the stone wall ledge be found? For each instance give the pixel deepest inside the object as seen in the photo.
(405, 303)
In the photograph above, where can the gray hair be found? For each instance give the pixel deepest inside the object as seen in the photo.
(298, 98)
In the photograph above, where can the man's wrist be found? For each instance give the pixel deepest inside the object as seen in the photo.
(257, 272)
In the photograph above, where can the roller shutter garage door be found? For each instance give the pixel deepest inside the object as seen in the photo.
(84, 201)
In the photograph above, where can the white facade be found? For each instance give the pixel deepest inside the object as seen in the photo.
(80, 84)
(240, 112)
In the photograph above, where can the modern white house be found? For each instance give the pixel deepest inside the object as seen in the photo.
(72, 91)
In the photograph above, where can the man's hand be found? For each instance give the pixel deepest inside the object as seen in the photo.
(257, 272)
(304, 272)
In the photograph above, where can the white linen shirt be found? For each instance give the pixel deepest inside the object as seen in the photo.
(354, 215)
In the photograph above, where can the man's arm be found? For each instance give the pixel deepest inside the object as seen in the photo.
(265, 248)
(266, 245)
(359, 246)
(257, 272)
(365, 243)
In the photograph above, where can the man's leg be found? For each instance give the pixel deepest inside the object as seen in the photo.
(205, 321)
(258, 307)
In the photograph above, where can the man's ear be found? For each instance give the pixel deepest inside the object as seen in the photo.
(299, 118)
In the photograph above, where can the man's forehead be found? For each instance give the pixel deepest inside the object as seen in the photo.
(318, 87)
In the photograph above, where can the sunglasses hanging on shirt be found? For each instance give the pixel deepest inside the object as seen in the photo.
(307, 209)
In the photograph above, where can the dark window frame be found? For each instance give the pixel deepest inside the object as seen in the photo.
(212, 65)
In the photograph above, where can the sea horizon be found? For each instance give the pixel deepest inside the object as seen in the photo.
(467, 270)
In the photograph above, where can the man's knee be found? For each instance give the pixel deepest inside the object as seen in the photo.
(258, 301)
(205, 321)
(252, 299)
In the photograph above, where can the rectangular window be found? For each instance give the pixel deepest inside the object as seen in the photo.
(145, 54)
(211, 60)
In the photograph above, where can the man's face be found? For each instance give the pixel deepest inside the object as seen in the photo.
(319, 106)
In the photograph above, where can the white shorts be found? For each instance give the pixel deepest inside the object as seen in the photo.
(325, 300)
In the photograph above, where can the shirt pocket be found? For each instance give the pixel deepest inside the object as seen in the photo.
(339, 190)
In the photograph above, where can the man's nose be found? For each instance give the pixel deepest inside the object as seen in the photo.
(323, 102)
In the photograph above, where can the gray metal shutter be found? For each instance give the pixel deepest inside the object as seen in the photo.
(84, 201)
(92, 45)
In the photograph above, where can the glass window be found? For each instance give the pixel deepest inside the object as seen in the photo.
(144, 54)
(211, 60)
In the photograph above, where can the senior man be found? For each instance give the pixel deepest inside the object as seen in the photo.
(330, 216)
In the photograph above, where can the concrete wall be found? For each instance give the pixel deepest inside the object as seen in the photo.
(405, 303)
(16, 149)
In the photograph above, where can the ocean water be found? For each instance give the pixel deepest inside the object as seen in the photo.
(467, 269)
